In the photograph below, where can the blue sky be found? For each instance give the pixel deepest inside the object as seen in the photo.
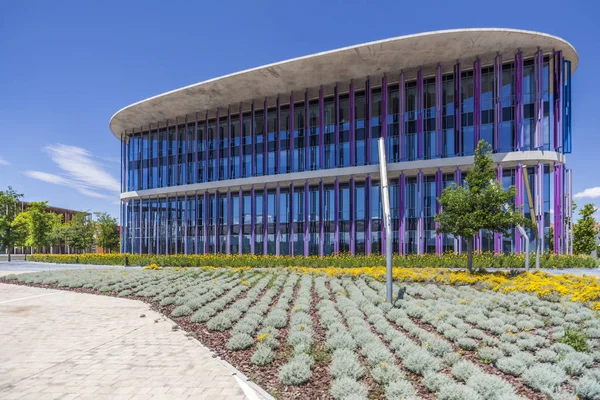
(68, 66)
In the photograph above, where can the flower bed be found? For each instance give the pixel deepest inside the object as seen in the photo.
(447, 260)
(306, 333)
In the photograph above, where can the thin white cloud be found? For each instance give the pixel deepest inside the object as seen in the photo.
(590, 193)
(80, 171)
(3, 161)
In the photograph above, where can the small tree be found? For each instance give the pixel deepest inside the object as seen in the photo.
(11, 230)
(479, 204)
(585, 231)
(80, 232)
(39, 224)
(107, 232)
(57, 234)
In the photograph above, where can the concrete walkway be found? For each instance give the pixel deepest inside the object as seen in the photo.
(65, 345)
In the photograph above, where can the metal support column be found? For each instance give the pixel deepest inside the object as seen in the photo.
(352, 216)
(291, 221)
(421, 213)
(402, 224)
(252, 220)
(457, 109)
(368, 121)
(476, 102)
(420, 122)
(241, 220)
(498, 236)
(321, 216)
(265, 220)
(336, 212)
(321, 129)
(438, 209)
(438, 110)
(518, 102)
(401, 111)
(291, 135)
(336, 122)
(497, 103)
(519, 186)
(228, 221)
(277, 218)
(306, 219)
(352, 126)
(368, 215)
(539, 101)
(196, 215)
(458, 182)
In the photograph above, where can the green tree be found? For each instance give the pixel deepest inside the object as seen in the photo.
(12, 231)
(58, 229)
(39, 224)
(79, 233)
(107, 232)
(585, 231)
(479, 204)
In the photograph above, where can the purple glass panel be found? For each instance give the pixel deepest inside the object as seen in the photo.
(438, 110)
(519, 101)
(518, 202)
(321, 129)
(252, 218)
(306, 230)
(241, 219)
(368, 215)
(217, 148)
(401, 111)
(167, 220)
(336, 101)
(539, 105)
(241, 147)
(217, 195)
(352, 139)
(321, 217)
(230, 162)
(228, 222)
(498, 236)
(368, 120)
(420, 105)
(196, 224)
(140, 228)
(265, 141)
(539, 201)
(438, 209)
(176, 166)
(558, 73)
(292, 156)
(277, 145)
(206, 152)
(384, 121)
(291, 220)
(336, 210)
(476, 101)
(458, 182)
(185, 224)
(197, 147)
(277, 218)
(253, 158)
(402, 228)
(457, 110)
(306, 132)
(421, 211)
(352, 219)
(497, 102)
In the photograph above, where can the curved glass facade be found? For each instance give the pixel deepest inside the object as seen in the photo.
(516, 105)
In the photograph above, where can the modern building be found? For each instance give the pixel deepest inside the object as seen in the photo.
(282, 159)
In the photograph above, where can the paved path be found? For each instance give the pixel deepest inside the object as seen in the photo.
(65, 345)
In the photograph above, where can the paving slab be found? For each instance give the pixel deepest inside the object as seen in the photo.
(59, 344)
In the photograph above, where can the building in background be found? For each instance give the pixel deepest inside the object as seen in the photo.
(282, 159)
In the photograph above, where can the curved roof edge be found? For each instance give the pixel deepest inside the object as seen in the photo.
(292, 75)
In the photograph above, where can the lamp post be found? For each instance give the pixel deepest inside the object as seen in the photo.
(387, 221)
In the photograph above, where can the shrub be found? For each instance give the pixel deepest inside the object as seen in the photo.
(588, 388)
(296, 372)
(385, 373)
(344, 362)
(239, 341)
(340, 340)
(490, 386)
(511, 366)
(544, 378)
(400, 390)
(546, 355)
(463, 370)
(125, 293)
(576, 363)
(433, 381)
(489, 354)
(420, 361)
(466, 343)
(456, 391)
(576, 339)
(167, 301)
(181, 311)
(219, 323)
(347, 388)
(263, 355)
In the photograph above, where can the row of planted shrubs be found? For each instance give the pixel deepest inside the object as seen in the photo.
(447, 260)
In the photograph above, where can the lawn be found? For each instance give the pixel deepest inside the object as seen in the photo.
(330, 334)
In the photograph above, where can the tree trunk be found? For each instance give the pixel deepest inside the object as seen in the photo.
(470, 254)
(8, 252)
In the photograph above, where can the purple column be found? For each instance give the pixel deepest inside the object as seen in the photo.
(253, 158)
(277, 139)
(518, 100)
(265, 142)
(321, 215)
(558, 208)
(228, 222)
(336, 102)
(558, 83)
(498, 236)
(197, 147)
(291, 134)
(421, 209)
(306, 132)
(438, 209)
(205, 222)
(277, 214)
(167, 221)
(241, 147)
(184, 161)
(569, 207)
(265, 220)
(185, 224)
(196, 214)
(352, 215)
(321, 129)
(402, 228)
(368, 215)
(122, 171)
(206, 151)
(438, 110)
(539, 202)
(457, 109)
(336, 211)
(518, 202)
(368, 121)
(352, 126)
(217, 247)
(539, 104)
(217, 147)
(140, 228)
(291, 220)
(497, 102)
(252, 218)
(241, 220)
(306, 220)
(384, 110)
(476, 101)
(176, 166)
(420, 105)
(401, 111)
(230, 170)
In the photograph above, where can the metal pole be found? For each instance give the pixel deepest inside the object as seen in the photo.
(385, 200)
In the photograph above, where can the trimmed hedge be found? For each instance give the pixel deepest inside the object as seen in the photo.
(447, 260)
